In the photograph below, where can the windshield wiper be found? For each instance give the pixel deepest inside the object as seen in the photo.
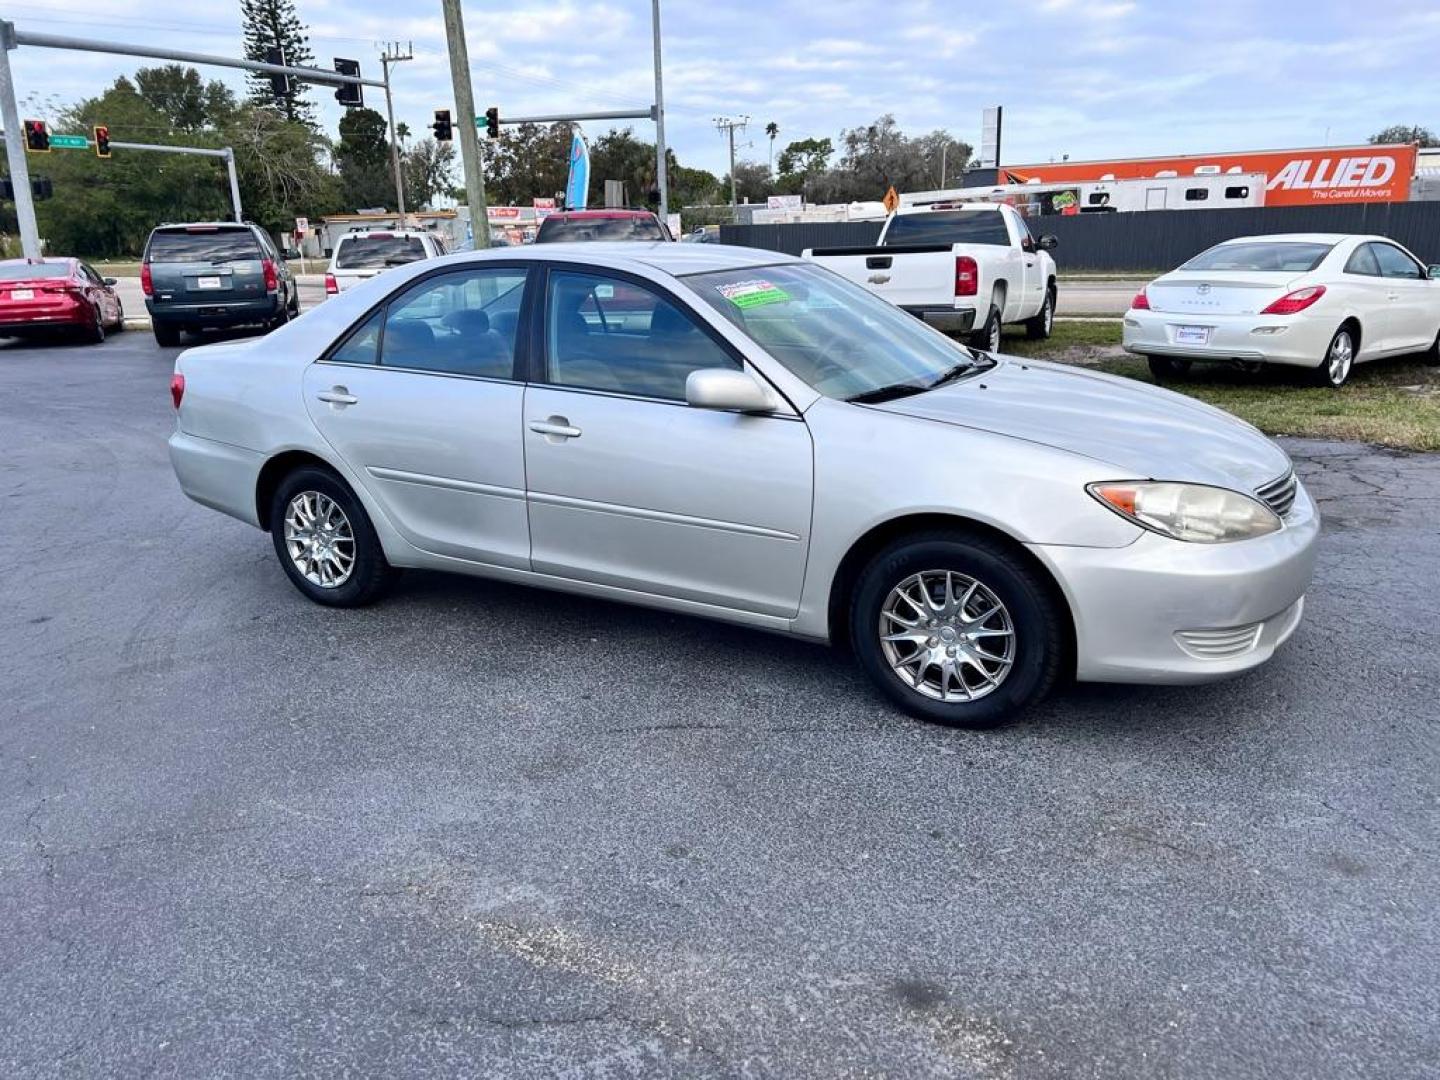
(899, 390)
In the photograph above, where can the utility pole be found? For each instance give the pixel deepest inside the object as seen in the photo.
(393, 55)
(726, 126)
(944, 149)
(661, 173)
(465, 119)
(15, 149)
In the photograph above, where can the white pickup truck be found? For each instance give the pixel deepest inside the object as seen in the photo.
(962, 267)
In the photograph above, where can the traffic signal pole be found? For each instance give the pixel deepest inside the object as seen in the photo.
(465, 115)
(14, 134)
(15, 149)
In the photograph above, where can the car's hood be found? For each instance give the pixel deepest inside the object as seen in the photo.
(1143, 431)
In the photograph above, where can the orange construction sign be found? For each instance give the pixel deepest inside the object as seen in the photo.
(1324, 175)
(891, 200)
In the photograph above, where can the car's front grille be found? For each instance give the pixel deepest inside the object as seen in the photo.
(1222, 644)
(1279, 494)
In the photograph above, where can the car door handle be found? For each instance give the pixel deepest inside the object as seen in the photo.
(337, 396)
(555, 427)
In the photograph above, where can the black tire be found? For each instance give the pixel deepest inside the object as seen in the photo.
(1431, 355)
(165, 334)
(369, 574)
(1328, 372)
(281, 318)
(94, 334)
(987, 338)
(1037, 644)
(1038, 328)
(1168, 368)
(119, 319)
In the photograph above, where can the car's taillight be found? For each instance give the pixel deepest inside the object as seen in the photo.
(177, 388)
(967, 276)
(331, 285)
(1298, 300)
(147, 283)
(1141, 302)
(272, 280)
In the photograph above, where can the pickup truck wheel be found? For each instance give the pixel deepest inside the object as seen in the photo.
(1168, 368)
(988, 337)
(1038, 328)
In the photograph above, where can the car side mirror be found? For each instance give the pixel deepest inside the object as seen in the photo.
(1049, 242)
(113, 281)
(725, 388)
(1433, 272)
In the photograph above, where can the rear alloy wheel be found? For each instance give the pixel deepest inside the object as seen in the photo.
(988, 337)
(1038, 328)
(956, 629)
(1168, 368)
(325, 541)
(1339, 359)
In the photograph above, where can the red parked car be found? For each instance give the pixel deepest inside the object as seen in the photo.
(46, 295)
(568, 225)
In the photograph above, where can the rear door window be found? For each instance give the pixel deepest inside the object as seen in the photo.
(202, 245)
(461, 323)
(948, 227)
(377, 252)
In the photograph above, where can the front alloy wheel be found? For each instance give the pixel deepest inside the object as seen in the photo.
(947, 636)
(957, 627)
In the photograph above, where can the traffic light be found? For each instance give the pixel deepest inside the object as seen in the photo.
(102, 141)
(351, 95)
(441, 126)
(279, 84)
(37, 137)
(492, 122)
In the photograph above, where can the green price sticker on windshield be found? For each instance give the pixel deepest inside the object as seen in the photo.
(748, 294)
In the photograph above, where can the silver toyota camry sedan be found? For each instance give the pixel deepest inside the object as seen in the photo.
(744, 436)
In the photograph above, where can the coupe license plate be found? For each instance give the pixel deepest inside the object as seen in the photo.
(1192, 335)
(207, 283)
(22, 294)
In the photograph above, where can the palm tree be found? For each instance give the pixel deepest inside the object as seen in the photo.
(772, 129)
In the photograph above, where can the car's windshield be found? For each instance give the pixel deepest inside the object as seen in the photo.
(555, 230)
(202, 245)
(1286, 256)
(948, 227)
(31, 271)
(377, 252)
(838, 338)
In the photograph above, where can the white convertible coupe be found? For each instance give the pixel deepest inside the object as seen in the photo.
(1318, 301)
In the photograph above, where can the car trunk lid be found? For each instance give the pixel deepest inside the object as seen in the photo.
(1238, 292)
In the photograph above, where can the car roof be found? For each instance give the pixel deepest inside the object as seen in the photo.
(581, 215)
(171, 226)
(1300, 238)
(637, 256)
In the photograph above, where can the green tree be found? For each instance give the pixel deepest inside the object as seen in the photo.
(179, 93)
(752, 182)
(772, 130)
(1402, 133)
(429, 170)
(362, 160)
(526, 162)
(267, 24)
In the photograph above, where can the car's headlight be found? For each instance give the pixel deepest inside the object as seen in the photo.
(1194, 512)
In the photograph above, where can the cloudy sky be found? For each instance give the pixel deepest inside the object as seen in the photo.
(1088, 78)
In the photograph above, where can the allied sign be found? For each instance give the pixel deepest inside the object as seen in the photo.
(1309, 177)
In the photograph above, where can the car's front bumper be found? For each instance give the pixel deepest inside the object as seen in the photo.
(1165, 611)
(1297, 341)
(950, 320)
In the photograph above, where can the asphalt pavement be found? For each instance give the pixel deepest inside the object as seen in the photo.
(482, 830)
